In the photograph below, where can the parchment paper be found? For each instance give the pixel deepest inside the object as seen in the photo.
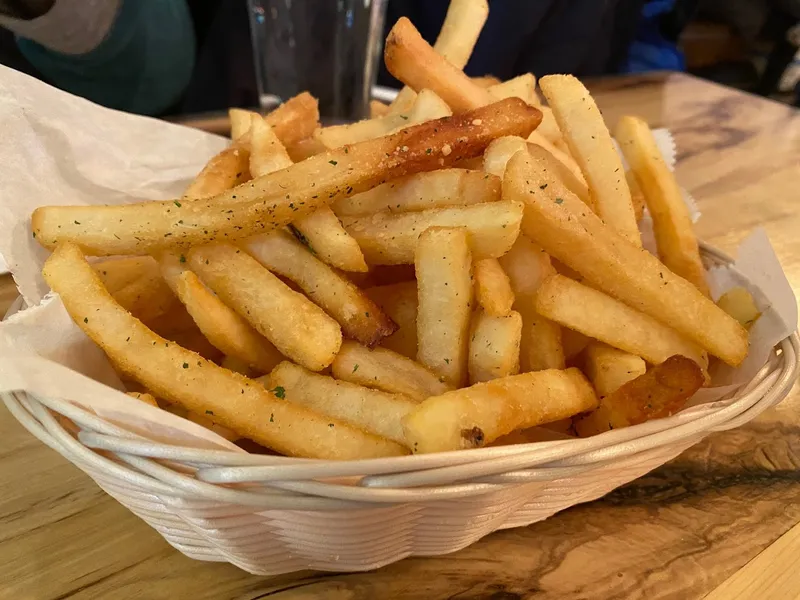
(60, 149)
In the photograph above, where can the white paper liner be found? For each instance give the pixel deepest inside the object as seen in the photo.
(60, 149)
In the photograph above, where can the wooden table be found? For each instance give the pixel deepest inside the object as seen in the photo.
(721, 520)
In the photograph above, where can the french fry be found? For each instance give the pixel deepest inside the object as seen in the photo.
(390, 239)
(603, 318)
(399, 301)
(636, 195)
(267, 153)
(223, 327)
(227, 169)
(295, 119)
(434, 189)
(178, 375)
(494, 346)
(571, 178)
(377, 109)
(500, 151)
(116, 273)
(527, 266)
(240, 122)
(660, 392)
(298, 328)
(323, 233)
(456, 41)
(475, 416)
(373, 411)
(147, 297)
(573, 343)
(522, 86)
(194, 341)
(548, 129)
(426, 106)
(739, 304)
(672, 225)
(284, 196)
(562, 225)
(609, 368)
(386, 370)
(413, 61)
(359, 317)
(485, 81)
(444, 291)
(591, 145)
(492, 288)
(563, 157)
(305, 148)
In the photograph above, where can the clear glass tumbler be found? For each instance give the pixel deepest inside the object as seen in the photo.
(330, 48)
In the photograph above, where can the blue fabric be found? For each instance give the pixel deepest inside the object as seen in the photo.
(143, 65)
(650, 51)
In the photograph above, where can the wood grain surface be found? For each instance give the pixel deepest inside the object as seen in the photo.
(720, 521)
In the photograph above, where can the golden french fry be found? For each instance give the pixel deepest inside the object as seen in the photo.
(603, 318)
(494, 346)
(563, 226)
(178, 375)
(443, 264)
(500, 151)
(591, 145)
(227, 169)
(194, 341)
(373, 411)
(571, 178)
(284, 196)
(548, 128)
(377, 109)
(390, 239)
(485, 81)
(359, 317)
(492, 287)
(566, 160)
(456, 41)
(323, 233)
(267, 153)
(386, 370)
(295, 119)
(305, 148)
(223, 327)
(636, 195)
(413, 61)
(144, 397)
(299, 329)
(660, 392)
(521, 86)
(672, 224)
(739, 304)
(403, 101)
(573, 343)
(434, 189)
(240, 122)
(399, 301)
(609, 368)
(527, 266)
(475, 416)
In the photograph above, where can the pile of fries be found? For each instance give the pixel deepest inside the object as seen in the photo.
(463, 265)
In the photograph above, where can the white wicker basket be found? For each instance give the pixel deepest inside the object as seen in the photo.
(270, 515)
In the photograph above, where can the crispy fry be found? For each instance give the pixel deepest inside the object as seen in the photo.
(223, 327)
(299, 329)
(609, 368)
(267, 154)
(521, 86)
(492, 287)
(284, 196)
(435, 189)
(360, 318)
(672, 225)
(386, 370)
(475, 416)
(456, 41)
(373, 411)
(603, 318)
(571, 178)
(295, 119)
(227, 169)
(566, 160)
(590, 143)
(494, 346)
(414, 62)
(527, 266)
(399, 301)
(561, 224)
(388, 239)
(322, 232)
(739, 304)
(660, 392)
(637, 198)
(178, 375)
(241, 121)
(444, 290)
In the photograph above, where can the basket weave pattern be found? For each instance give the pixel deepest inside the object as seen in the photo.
(270, 515)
